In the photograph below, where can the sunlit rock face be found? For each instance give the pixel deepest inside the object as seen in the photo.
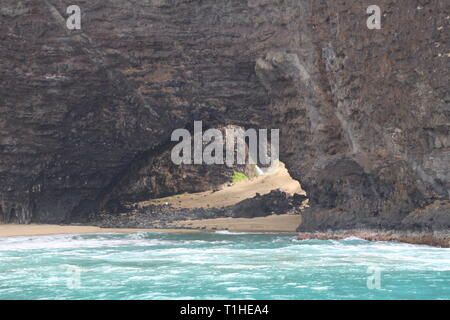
(364, 114)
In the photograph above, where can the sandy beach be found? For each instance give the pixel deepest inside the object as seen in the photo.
(15, 230)
(283, 223)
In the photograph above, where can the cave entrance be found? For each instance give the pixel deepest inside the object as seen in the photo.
(243, 188)
(259, 199)
(219, 186)
(247, 166)
(277, 176)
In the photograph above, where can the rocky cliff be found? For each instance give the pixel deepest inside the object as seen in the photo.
(364, 114)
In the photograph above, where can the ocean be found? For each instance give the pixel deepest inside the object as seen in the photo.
(219, 265)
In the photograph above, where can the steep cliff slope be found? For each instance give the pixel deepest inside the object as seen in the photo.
(364, 114)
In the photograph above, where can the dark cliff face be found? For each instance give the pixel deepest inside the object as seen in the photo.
(364, 114)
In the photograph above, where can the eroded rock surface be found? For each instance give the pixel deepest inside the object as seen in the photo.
(364, 114)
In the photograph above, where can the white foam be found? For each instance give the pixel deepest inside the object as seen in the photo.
(240, 289)
(230, 232)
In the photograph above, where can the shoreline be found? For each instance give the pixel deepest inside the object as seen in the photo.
(31, 230)
(435, 239)
(286, 223)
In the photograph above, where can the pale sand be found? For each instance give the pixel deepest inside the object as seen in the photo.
(274, 223)
(230, 195)
(281, 223)
(14, 230)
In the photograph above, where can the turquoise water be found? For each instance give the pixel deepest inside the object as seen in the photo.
(218, 266)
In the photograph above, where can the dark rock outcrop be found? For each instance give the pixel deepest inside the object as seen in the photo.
(364, 114)
(275, 202)
(434, 217)
(157, 216)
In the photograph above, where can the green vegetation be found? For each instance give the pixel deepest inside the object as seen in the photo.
(238, 176)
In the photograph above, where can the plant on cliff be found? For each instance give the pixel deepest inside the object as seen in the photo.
(238, 176)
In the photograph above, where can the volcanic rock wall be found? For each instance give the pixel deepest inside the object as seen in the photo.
(364, 114)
